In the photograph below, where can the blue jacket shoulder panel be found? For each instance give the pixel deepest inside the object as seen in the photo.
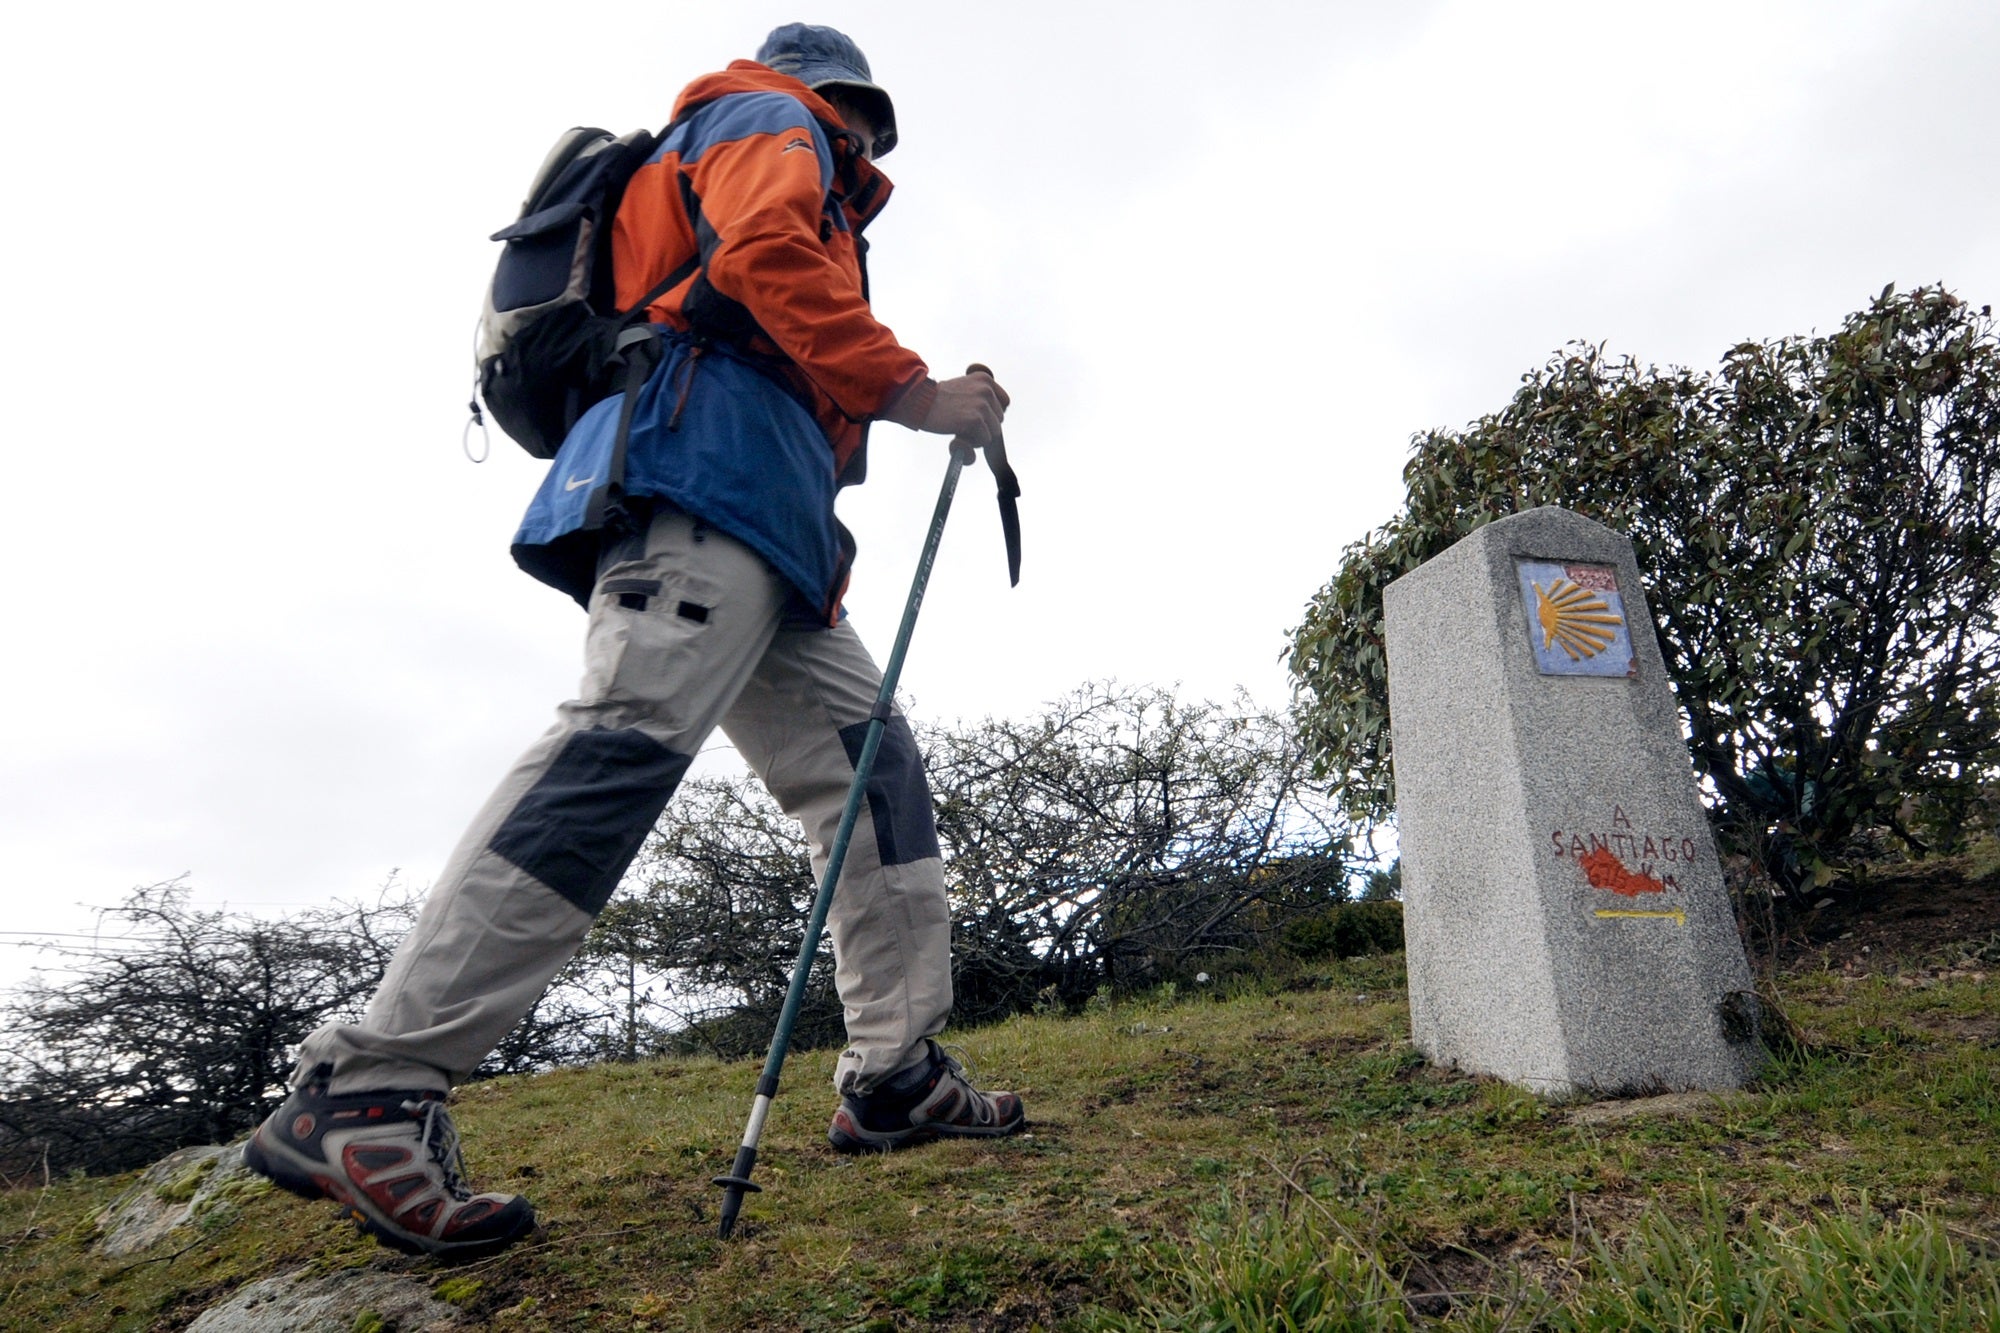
(740, 116)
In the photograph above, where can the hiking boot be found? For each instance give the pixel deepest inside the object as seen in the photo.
(392, 1159)
(932, 1101)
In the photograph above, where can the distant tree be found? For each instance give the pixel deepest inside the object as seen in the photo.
(1120, 837)
(1819, 526)
(179, 1025)
(1384, 885)
(177, 1028)
(1125, 836)
(713, 915)
(1348, 930)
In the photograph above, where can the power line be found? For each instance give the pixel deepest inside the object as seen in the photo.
(78, 935)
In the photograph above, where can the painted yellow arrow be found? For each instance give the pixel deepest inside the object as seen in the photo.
(1677, 916)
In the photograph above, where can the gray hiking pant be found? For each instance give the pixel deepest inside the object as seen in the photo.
(685, 635)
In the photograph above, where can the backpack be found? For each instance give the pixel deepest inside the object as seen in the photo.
(552, 341)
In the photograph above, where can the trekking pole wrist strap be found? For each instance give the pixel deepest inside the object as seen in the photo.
(1008, 487)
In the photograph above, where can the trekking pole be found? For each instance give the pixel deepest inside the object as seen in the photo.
(738, 1183)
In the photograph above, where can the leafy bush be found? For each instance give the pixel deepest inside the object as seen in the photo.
(1349, 930)
(1819, 522)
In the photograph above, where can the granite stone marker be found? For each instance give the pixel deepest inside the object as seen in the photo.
(1567, 925)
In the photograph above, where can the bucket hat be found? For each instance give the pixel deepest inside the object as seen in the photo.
(822, 57)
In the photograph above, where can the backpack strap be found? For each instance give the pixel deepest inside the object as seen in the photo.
(638, 353)
(667, 284)
(635, 348)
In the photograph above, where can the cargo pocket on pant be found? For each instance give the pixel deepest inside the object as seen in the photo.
(632, 594)
(645, 647)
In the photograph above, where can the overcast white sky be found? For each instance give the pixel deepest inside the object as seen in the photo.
(261, 624)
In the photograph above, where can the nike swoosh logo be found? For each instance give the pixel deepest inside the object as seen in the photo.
(573, 483)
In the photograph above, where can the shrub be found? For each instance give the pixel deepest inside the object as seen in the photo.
(1819, 522)
(1347, 931)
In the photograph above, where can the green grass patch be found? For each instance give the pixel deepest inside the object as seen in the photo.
(1259, 1273)
(1306, 1269)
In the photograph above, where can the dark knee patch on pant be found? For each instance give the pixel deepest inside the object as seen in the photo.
(584, 820)
(898, 797)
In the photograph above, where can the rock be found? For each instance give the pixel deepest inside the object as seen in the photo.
(299, 1303)
(175, 1191)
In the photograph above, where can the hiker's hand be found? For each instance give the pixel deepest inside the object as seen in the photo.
(968, 409)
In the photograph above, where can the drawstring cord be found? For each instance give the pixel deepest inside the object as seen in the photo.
(684, 385)
(478, 418)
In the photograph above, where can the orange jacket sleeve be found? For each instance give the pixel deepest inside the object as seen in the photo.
(761, 230)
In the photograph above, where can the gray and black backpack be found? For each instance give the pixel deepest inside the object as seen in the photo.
(552, 340)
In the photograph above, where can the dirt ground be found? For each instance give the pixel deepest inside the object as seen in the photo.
(1924, 913)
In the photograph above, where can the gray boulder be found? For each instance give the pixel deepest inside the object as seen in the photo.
(175, 1192)
(299, 1303)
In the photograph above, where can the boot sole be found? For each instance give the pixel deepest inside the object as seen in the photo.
(860, 1141)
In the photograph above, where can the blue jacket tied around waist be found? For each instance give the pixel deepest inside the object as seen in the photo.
(718, 438)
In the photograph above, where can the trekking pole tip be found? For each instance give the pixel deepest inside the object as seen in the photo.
(733, 1190)
(735, 1185)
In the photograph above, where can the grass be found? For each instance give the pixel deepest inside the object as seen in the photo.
(1239, 1161)
(1267, 1273)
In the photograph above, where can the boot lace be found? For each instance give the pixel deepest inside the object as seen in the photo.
(958, 1060)
(440, 1139)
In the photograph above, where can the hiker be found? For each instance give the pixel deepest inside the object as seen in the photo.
(713, 579)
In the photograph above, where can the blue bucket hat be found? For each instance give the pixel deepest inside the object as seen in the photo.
(826, 58)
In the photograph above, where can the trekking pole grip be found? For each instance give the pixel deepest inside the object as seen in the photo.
(965, 453)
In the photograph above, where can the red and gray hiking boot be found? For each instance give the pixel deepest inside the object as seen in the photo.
(392, 1159)
(934, 1100)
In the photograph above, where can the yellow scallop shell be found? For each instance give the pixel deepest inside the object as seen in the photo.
(1574, 619)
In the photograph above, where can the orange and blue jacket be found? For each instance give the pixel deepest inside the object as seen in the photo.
(773, 364)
